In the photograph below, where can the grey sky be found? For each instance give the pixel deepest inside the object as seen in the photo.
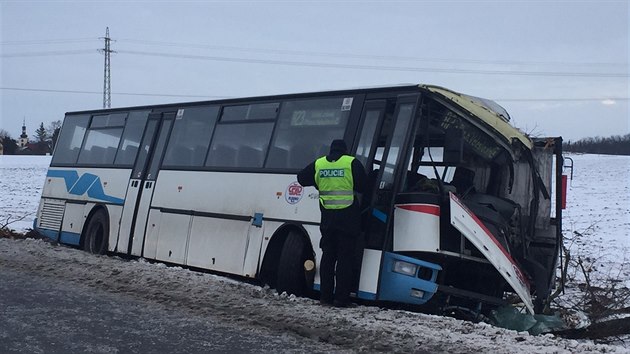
(559, 68)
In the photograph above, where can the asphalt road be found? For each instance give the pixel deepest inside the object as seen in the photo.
(47, 315)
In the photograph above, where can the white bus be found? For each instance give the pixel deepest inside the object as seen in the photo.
(463, 208)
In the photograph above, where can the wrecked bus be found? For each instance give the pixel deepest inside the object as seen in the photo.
(463, 208)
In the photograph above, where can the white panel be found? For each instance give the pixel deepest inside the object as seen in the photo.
(474, 230)
(252, 253)
(416, 230)
(369, 271)
(127, 216)
(235, 194)
(114, 212)
(218, 244)
(73, 218)
(173, 238)
(141, 217)
(150, 241)
(113, 181)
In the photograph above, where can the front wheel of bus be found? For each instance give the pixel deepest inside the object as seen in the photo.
(96, 233)
(291, 276)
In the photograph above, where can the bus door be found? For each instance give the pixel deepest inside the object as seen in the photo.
(142, 183)
(386, 125)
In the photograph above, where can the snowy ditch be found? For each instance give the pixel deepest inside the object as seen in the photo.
(596, 226)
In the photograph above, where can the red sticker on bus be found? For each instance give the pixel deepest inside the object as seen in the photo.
(294, 193)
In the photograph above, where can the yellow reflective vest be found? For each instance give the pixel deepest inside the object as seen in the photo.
(335, 183)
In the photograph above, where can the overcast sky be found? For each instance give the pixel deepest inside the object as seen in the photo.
(559, 68)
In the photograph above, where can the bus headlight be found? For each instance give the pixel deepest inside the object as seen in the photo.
(405, 268)
(417, 293)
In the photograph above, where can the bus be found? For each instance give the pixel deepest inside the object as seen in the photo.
(463, 212)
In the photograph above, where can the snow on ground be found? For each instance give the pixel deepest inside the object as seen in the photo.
(596, 222)
(21, 182)
(596, 226)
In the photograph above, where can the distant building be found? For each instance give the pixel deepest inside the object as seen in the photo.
(23, 140)
(1, 149)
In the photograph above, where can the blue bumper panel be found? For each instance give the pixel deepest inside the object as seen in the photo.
(51, 234)
(406, 288)
(361, 294)
(70, 238)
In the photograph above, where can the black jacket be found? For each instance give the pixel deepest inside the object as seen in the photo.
(347, 219)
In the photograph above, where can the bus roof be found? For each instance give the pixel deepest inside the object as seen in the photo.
(488, 111)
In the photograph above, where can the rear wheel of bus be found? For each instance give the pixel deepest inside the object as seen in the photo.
(96, 233)
(291, 275)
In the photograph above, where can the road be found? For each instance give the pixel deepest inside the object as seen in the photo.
(56, 299)
(42, 314)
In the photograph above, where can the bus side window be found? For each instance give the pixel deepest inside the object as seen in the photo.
(100, 146)
(190, 137)
(240, 145)
(222, 156)
(278, 158)
(249, 157)
(305, 129)
(70, 139)
(130, 143)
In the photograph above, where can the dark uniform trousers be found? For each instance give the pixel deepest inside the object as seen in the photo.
(338, 247)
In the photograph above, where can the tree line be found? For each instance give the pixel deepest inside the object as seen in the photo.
(42, 143)
(614, 145)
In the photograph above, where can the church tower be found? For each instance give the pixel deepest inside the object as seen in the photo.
(23, 141)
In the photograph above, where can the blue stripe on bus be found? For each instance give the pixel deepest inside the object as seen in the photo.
(366, 295)
(361, 294)
(379, 215)
(70, 238)
(86, 183)
(51, 234)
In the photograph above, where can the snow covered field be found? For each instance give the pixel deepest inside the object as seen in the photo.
(596, 224)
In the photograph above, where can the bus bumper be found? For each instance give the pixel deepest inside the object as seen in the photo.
(408, 280)
(51, 234)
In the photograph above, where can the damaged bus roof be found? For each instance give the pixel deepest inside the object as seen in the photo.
(488, 111)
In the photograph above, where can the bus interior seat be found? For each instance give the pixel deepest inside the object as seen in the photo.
(96, 155)
(463, 180)
(198, 155)
(180, 156)
(249, 157)
(223, 156)
(110, 154)
(301, 155)
(278, 157)
(129, 154)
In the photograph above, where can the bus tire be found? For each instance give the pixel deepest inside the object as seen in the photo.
(97, 233)
(291, 278)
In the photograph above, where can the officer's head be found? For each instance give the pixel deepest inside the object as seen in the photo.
(338, 146)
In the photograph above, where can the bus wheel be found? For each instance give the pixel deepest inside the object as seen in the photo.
(291, 276)
(96, 233)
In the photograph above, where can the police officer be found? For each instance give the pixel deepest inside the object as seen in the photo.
(338, 177)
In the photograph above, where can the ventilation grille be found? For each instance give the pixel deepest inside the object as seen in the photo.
(52, 214)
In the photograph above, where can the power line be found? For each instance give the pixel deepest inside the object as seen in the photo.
(115, 93)
(48, 53)
(377, 67)
(363, 56)
(48, 41)
(577, 99)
